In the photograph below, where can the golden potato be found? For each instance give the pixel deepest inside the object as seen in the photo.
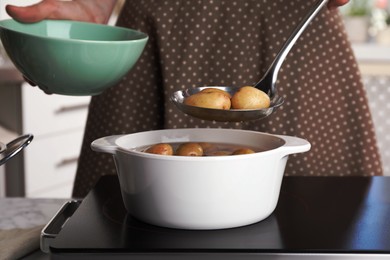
(163, 149)
(212, 99)
(243, 151)
(217, 90)
(189, 149)
(250, 98)
(221, 153)
(206, 145)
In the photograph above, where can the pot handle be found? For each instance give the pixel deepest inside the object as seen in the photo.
(106, 144)
(294, 145)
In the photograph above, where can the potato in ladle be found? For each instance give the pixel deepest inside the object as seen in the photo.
(250, 98)
(209, 99)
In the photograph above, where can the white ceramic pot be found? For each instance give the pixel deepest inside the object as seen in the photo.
(212, 192)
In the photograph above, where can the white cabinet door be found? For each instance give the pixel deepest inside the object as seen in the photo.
(46, 114)
(50, 165)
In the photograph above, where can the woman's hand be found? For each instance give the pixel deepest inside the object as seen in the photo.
(81, 10)
(333, 4)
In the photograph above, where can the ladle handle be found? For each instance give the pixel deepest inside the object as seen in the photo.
(270, 76)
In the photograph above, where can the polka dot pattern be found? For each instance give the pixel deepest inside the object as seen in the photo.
(231, 42)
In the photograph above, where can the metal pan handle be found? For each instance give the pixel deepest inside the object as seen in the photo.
(55, 225)
(14, 147)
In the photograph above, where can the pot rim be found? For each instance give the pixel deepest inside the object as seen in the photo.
(119, 148)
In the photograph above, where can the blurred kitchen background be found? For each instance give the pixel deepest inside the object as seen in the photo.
(46, 168)
(367, 23)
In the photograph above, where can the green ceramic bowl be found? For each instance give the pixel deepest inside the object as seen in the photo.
(71, 58)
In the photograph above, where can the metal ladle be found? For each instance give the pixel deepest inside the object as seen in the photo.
(266, 84)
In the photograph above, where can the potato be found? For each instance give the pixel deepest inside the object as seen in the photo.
(243, 151)
(217, 90)
(189, 149)
(221, 153)
(208, 147)
(163, 149)
(250, 98)
(211, 99)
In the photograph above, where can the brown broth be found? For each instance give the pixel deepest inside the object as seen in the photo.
(209, 148)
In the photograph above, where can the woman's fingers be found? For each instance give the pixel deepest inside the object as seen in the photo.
(33, 13)
(87, 11)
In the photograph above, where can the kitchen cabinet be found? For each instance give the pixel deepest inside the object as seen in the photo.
(5, 137)
(57, 123)
(47, 167)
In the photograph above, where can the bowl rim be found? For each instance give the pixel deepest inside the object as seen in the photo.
(143, 36)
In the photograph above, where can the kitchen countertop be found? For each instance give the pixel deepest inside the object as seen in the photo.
(23, 213)
(27, 213)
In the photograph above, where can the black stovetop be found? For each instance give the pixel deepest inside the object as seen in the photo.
(314, 215)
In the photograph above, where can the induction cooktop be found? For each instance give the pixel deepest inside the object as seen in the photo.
(316, 218)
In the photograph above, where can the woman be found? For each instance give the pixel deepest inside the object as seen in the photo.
(224, 42)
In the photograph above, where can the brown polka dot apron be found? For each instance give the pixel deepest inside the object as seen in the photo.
(233, 42)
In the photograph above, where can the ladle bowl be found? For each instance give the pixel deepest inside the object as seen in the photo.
(233, 115)
(266, 84)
